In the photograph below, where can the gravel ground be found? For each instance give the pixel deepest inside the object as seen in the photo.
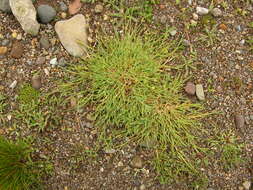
(224, 67)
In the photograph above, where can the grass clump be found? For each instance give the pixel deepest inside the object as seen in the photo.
(36, 109)
(28, 94)
(17, 171)
(132, 96)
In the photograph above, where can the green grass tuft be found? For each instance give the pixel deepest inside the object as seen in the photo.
(28, 94)
(16, 167)
(126, 84)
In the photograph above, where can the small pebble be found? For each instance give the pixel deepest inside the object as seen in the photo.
(62, 62)
(13, 84)
(46, 71)
(19, 37)
(195, 16)
(99, 8)
(63, 15)
(63, 6)
(40, 60)
(223, 27)
(238, 28)
(190, 88)
(216, 12)
(44, 42)
(3, 50)
(5, 42)
(239, 121)
(17, 50)
(242, 42)
(53, 61)
(200, 92)
(173, 32)
(36, 82)
(14, 35)
(9, 117)
(137, 162)
(202, 11)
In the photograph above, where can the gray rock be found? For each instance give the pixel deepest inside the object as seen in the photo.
(239, 121)
(216, 12)
(25, 13)
(5, 6)
(238, 28)
(200, 92)
(73, 35)
(62, 62)
(137, 162)
(63, 6)
(46, 13)
(202, 11)
(99, 8)
(44, 42)
(5, 42)
(190, 88)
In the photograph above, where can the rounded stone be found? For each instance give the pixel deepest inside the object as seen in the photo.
(99, 8)
(137, 162)
(63, 6)
(36, 82)
(190, 88)
(46, 13)
(216, 12)
(44, 42)
(17, 50)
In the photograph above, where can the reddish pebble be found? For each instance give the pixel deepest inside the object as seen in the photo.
(190, 88)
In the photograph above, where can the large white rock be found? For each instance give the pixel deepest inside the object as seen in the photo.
(73, 35)
(25, 13)
(5, 6)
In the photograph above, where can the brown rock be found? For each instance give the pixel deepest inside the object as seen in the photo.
(137, 162)
(190, 88)
(36, 82)
(239, 121)
(40, 60)
(223, 27)
(3, 50)
(74, 7)
(17, 50)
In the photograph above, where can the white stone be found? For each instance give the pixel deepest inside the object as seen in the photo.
(73, 35)
(200, 92)
(25, 13)
(13, 84)
(202, 11)
(53, 61)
